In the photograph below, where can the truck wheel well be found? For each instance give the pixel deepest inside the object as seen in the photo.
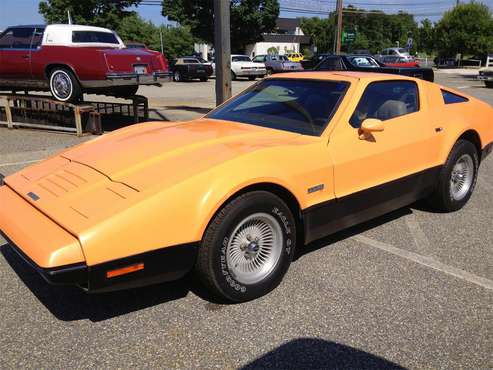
(473, 137)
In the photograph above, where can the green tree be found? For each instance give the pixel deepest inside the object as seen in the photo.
(321, 32)
(426, 37)
(104, 13)
(466, 29)
(249, 19)
(177, 41)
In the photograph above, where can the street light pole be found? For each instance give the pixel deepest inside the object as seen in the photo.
(339, 26)
(222, 47)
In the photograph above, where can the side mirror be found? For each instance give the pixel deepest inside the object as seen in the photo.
(370, 125)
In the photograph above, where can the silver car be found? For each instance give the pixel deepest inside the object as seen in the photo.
(277, 63)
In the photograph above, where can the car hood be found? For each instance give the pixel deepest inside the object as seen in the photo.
(160, 154)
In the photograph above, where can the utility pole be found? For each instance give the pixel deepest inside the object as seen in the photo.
(222, 47)
(339, 26)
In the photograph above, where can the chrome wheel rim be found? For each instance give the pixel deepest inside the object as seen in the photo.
(462, 177)
(254, 248)
(61, 85)
(177, 76)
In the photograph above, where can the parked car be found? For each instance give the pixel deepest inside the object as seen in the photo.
(242, 66)
(310, 63)
(486, 75)
(233, 195)
(366, 63)
(189, 68)
(70, 60)
(396, 61)
(295, 57)
(277, 63)
(400, 52)
(446, 62)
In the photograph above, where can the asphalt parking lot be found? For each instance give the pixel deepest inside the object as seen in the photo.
(412, 289)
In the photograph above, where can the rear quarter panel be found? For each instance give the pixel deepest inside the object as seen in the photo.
(455, 119)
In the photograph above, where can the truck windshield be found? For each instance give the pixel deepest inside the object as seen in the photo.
(297, 105)
(95, 37)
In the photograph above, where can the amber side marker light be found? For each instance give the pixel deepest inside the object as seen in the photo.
(124, 270)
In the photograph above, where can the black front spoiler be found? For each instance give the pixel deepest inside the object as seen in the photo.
(75, 274)
(161, 265)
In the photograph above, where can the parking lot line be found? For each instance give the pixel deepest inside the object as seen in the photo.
(19, 163)
(426, 261)
(421, 241)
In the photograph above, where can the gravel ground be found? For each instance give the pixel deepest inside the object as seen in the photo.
(412, 289)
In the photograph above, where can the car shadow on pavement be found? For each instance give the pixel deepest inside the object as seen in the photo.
(313, 353)
(71, 303)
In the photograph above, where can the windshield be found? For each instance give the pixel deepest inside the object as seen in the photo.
(296, 105)
(403, 51)
(241, 58)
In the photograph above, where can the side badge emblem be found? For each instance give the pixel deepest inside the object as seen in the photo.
(33, 196)
(315, 188)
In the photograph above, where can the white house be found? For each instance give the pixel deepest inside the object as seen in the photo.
(287, 37)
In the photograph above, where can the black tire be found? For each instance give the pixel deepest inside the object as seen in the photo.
(178, 77)
(212, 267)
(489, 84)
(204, 79)
(252, 78)
(233, 76)
(442, 198)
(64, 86)
(125, 91)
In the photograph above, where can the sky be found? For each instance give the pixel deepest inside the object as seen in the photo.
(13, 12)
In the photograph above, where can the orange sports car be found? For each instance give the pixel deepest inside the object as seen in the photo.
(231, 195)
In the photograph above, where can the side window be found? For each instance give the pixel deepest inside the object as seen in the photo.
(451, 98)
(330, 64)
(17, 38)
(37, 38)
(6, 39)
(386, 100)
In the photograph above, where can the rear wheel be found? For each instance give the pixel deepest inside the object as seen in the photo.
(457, 178)
(177, 76)
(251, 78)
(233, 76)
(203, 79)
(64, 86)
(247, 248)
(489, 84)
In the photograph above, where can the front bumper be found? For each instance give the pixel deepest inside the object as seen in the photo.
(125, 79)
(57, 255)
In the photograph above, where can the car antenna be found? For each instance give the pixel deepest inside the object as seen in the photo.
(69, 17)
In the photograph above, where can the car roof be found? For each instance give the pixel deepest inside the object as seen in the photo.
(28, 26)
(341, 76)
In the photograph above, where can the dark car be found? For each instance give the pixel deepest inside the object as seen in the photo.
(366, 63)
(191, 68)
(314, 60)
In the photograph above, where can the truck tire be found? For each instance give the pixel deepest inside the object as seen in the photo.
(64, 86)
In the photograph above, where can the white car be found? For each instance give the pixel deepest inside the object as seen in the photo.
(242, 66)
(400, 52)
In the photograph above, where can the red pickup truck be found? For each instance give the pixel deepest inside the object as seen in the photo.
(70, 60)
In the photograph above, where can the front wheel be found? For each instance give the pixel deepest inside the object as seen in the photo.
(457, 178)
(64, 86)
(247, 248)
(233, 76)
(489, 84)
(204, 79)
(251, 78)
